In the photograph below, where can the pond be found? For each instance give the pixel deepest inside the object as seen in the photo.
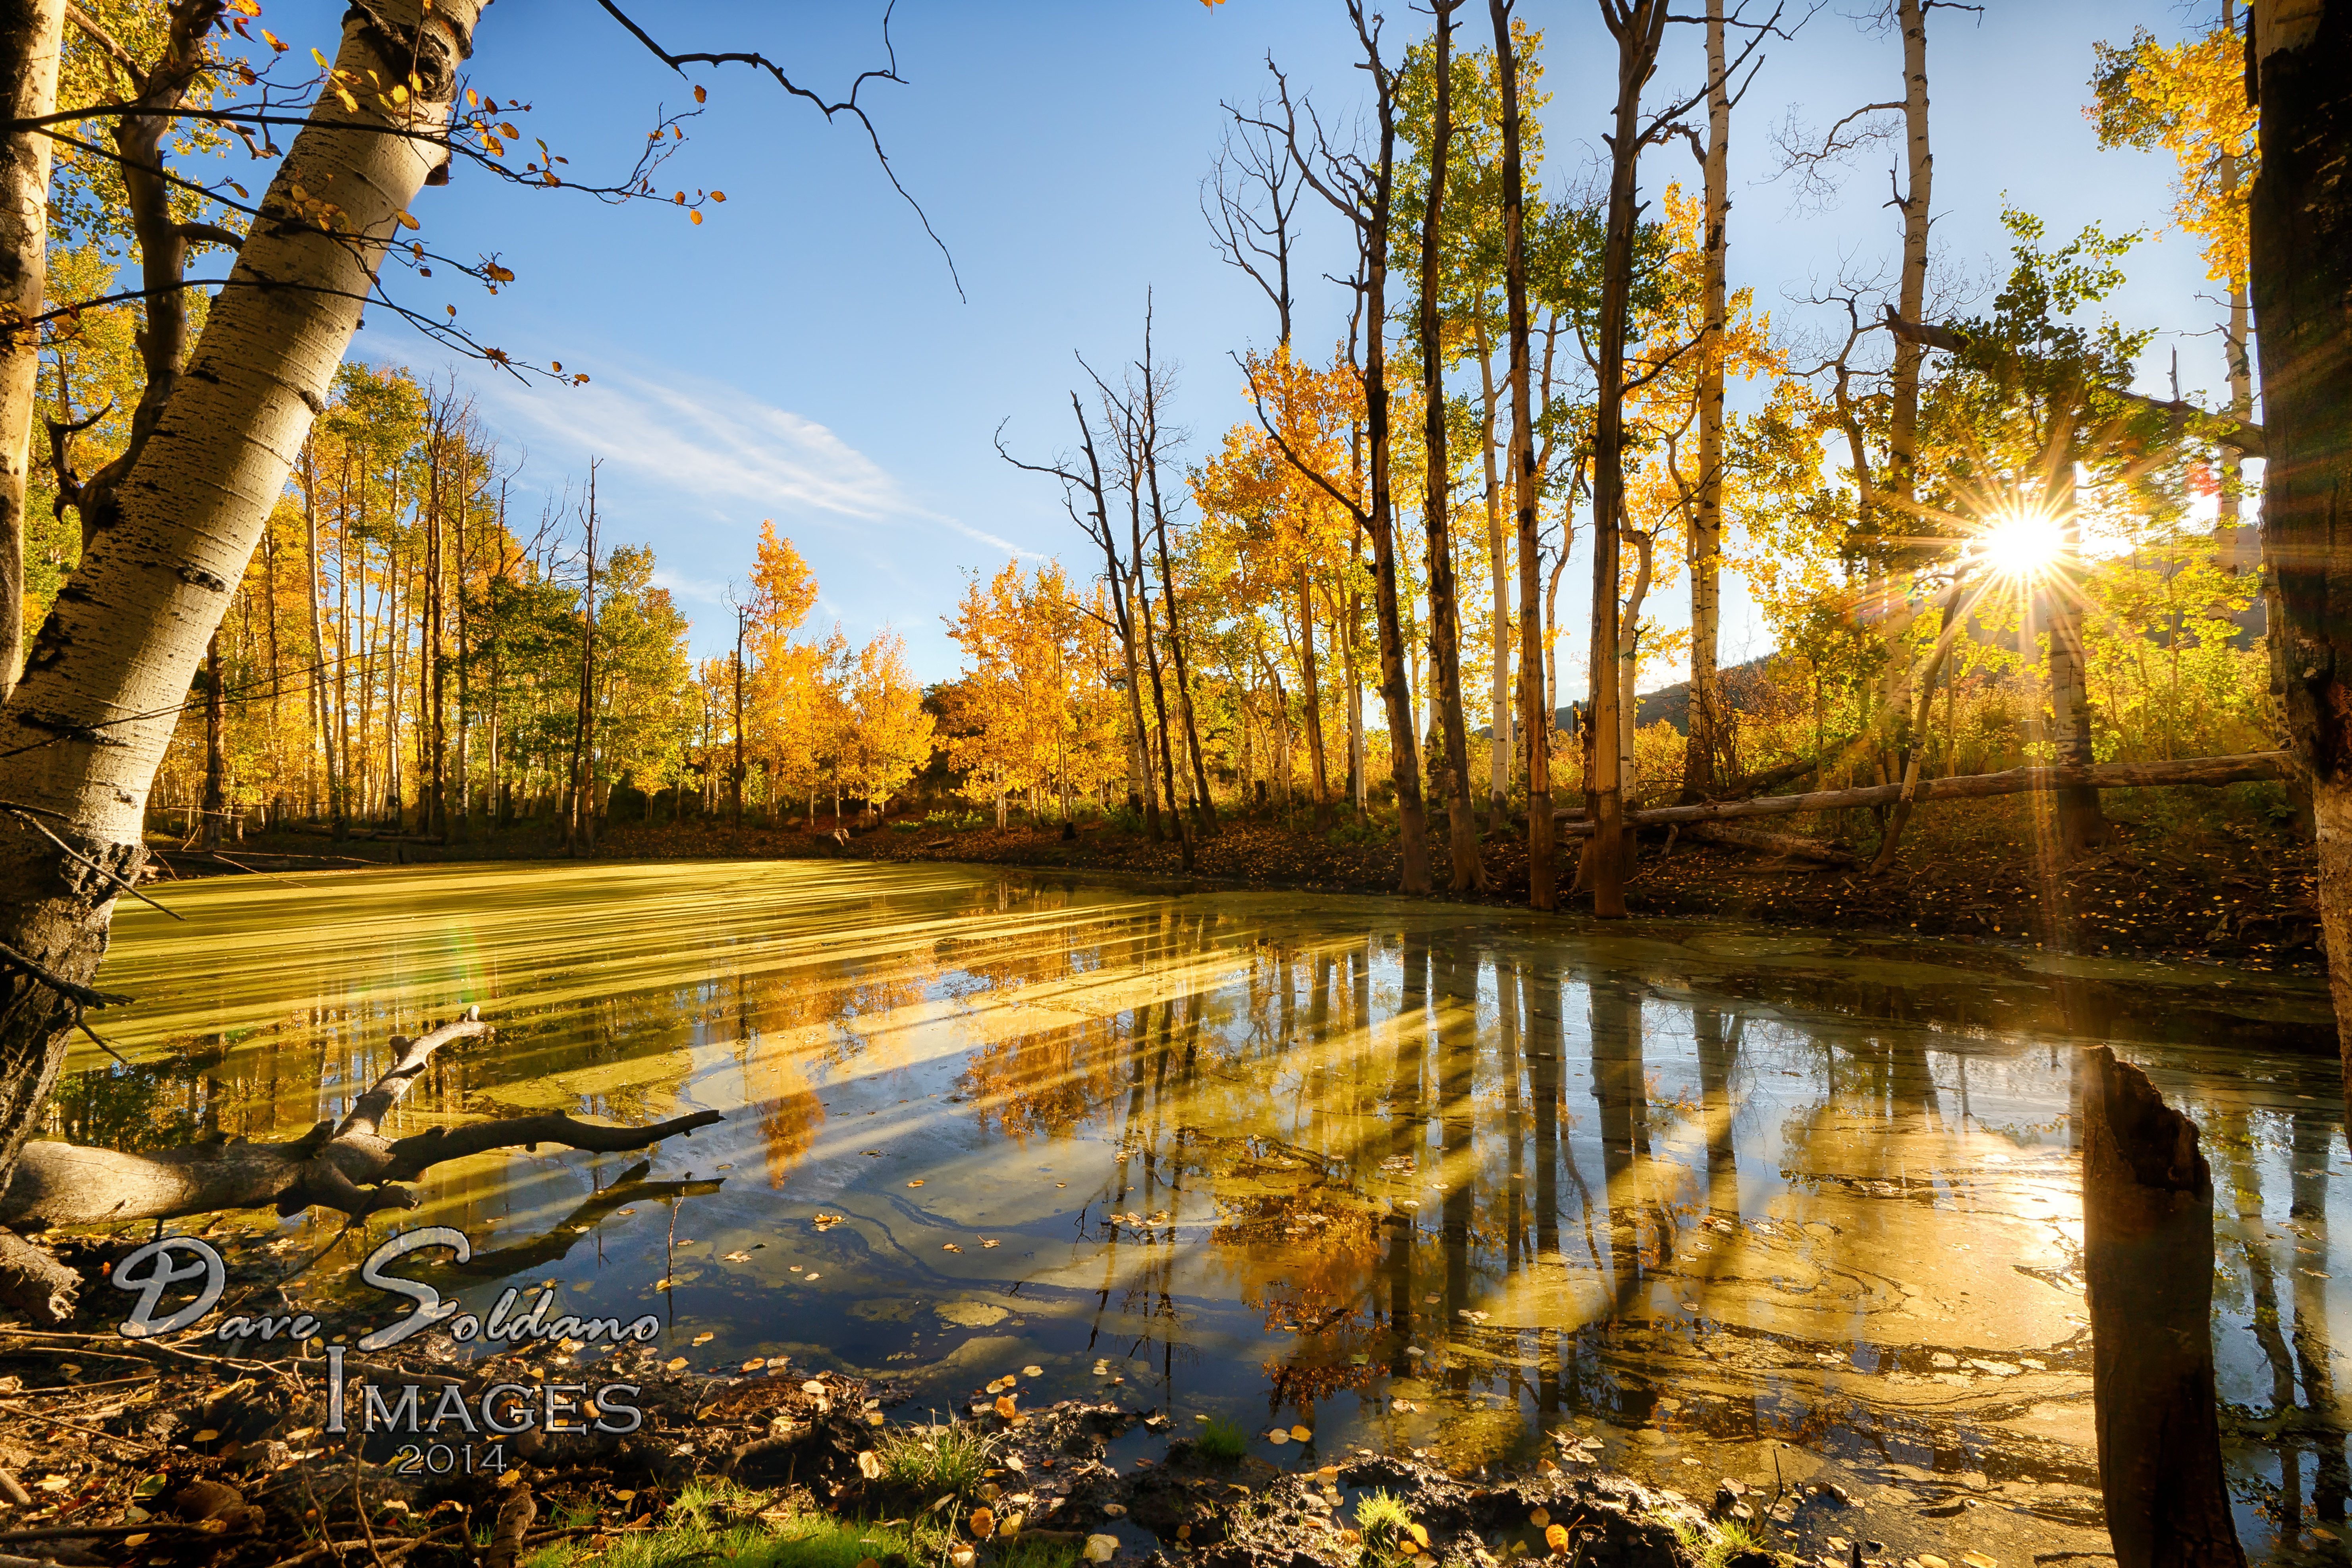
(1715, 1201)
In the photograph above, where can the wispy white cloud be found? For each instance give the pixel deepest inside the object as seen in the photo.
(720, 446)
(717, 445)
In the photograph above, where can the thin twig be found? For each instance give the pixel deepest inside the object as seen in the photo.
(58, 984)
(114, 877)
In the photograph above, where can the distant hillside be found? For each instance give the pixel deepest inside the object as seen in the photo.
(1670, 703)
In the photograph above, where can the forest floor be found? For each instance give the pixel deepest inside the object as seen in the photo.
(168, 1453)
(2219, 876)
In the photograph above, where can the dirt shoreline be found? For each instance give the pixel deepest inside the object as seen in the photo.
(2235, 892)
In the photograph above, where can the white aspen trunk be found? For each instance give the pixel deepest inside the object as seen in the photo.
(1498, 705)
(81, 739)
(1629, 661)
(1705, 539)
(1901, 486)
(28, 79)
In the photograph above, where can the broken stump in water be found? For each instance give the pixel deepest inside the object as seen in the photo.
(2147, 1256)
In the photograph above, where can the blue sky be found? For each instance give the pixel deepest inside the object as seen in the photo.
(803, 354)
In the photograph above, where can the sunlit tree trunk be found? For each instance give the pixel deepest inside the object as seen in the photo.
(215, 805)
(83, 734)
(1534, 694)
(1469, 870)
(1311, 682)
(2301, 230)
(1704, 540)
(30, 40)
(1637, 34)
(1900, 481)
(1499, 738)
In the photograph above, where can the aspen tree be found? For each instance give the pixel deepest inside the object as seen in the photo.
(1534, 702)
(2300, 235)
(81, 737)
(1704, 539)
(1468, 868)
(28, 89)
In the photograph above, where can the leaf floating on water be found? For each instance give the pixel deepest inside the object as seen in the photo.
(755, 1364)
(950, 1247)
(738, 1255)
(871, 1153)
(827, 1221)
(874, 1418)
(810, 1276)
(916, 1183)
(704, 1339)
(1278, 1436)
(986, 1242)
(1301, 1434)
(1101, 1548)
(1005, 1405)
(676, 1363)
(1540, 1518)
(1033, 1372)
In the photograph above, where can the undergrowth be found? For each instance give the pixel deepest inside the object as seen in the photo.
(709, 1523)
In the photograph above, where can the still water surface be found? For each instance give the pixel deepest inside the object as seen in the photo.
(1711, 1200)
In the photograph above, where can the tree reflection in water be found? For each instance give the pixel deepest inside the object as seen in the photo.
(1694, 1190)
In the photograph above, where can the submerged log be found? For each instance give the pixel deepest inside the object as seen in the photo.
(2246, 768)
(349, 1167)
(2148, 1259)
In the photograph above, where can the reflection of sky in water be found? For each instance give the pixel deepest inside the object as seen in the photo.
(1714, 1200)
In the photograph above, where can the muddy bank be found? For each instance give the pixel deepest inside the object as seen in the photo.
(165, 1453)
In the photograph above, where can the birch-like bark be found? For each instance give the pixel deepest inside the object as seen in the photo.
(29, 42)
(1704, 540)
(1638, 33)
(1535, 710)
(1499, 726)
(80, 740)
(1901, 479)
(2300, 225)
(1468, 867)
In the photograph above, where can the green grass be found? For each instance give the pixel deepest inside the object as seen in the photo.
(1712, 1545)
(1222, 1441)
(1384, 1523)
(923, 1464)
(693, 1531)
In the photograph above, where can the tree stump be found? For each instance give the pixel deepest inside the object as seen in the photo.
(2148, 1252)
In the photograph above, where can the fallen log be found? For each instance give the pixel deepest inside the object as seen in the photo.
(2147, 1266)
(349, 1167)
(1771, 843)
(2245, 768)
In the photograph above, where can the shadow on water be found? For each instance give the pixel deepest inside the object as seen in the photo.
(1695, 1201)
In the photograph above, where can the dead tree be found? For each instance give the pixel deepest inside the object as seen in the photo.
(1362, 190)
(2147, 1260)
(348, 1166)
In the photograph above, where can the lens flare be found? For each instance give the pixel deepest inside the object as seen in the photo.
(2022, 543)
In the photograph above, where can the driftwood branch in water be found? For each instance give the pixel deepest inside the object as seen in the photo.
(2246, 768)
(2147, 1262)
(350, 1167)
